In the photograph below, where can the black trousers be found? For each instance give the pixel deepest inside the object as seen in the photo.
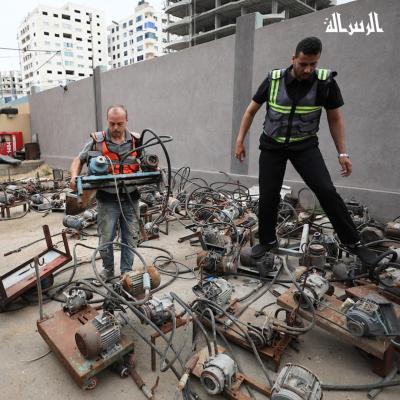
(311, 167)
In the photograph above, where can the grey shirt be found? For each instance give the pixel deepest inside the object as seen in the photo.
(122, 148)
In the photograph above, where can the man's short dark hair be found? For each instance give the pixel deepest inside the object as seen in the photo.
(309, 46)
(122, 107)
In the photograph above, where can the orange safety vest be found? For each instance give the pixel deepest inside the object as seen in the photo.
(129, 165)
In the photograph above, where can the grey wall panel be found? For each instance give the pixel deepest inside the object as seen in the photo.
(367, 75)
(187, 95)
(63, 121)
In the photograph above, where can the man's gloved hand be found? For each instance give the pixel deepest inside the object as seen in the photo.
(346, 165)
(240, 151)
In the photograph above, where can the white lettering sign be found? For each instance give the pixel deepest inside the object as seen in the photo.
(335, 25)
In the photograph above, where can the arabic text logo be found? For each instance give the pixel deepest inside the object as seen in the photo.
(335, 25)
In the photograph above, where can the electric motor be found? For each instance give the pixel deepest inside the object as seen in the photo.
(264, 265)
(390, 279)
(218, 290)
(149, 162)
(132, 281)
(261, 335)
(215, 262)
(231, 212)
(76, 222)
(363, 318)
(317, 255)
(315, 288)
(218, 373)
(152, 229)
(159, 310)
(295, 382)
(392, 229)
(174, 204)
(6, 198)
(98, 336)
(214, 236)
(18, 192)
(76, 300)
(37, 199)
(90, 215)
(98, 165)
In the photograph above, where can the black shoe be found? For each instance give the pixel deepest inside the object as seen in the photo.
(259, 250)
(106, 274)
(366, 255)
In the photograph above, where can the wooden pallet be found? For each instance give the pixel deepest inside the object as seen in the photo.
(334, 322)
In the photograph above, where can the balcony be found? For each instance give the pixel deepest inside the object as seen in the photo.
(180, 27)
(179, 9)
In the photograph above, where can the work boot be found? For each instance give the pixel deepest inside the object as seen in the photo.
(106, 274)
(259, 250)
(366, 255)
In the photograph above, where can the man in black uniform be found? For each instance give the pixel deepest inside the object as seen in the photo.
(295, 97)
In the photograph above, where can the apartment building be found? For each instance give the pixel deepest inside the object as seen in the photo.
(138, 37)
(11, 86)
(199, 21)
(61, 45)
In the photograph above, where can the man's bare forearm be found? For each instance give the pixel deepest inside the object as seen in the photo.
(336, 127)
(246, 122)
(76, 167)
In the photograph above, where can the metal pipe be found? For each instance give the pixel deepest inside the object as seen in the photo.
(39, 288)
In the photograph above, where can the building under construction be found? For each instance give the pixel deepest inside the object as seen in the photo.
(199, 21)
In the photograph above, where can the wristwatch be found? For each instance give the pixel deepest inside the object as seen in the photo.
(343, 155)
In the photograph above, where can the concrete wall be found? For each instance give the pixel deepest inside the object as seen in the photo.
(191, 96)
(63, 120)
(19, 123)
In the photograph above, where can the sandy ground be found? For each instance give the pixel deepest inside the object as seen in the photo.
(324, 354)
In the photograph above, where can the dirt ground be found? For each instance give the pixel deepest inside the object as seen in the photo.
(333, 361)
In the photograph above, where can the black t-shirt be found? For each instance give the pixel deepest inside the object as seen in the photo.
(328, 96)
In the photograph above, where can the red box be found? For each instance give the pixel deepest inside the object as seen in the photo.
(7, 148)
(15, 137)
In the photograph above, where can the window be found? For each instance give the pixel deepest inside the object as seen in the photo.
(131, 22)
(125, 53)
(139, 18)
(139, 38)
(79, 39)
(113, 48)
(114, 57)
(79, 47)
(118, 46)
(99, 59)
(139, 58)
(140, 48)
(65, 16)
(150, 25)
(44, 12)
(124, 25)
(112, 30)
(80, 74)
(81, 66)
(55, 15)
(77, 20)
(67, 35)
(59, 72)
(77, 11)
(66, 44)
(68, 54)
(46, 33)
(49, 71)
(125, 34)
(150, 35)
(69, 72)
(57, 35)
(69, 63)
(139, 28)
(126, 62)
(125, 44)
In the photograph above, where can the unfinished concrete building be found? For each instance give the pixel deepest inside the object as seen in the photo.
(200, 21)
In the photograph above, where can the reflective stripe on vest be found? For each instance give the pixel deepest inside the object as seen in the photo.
(279, 106)
(128, 166)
